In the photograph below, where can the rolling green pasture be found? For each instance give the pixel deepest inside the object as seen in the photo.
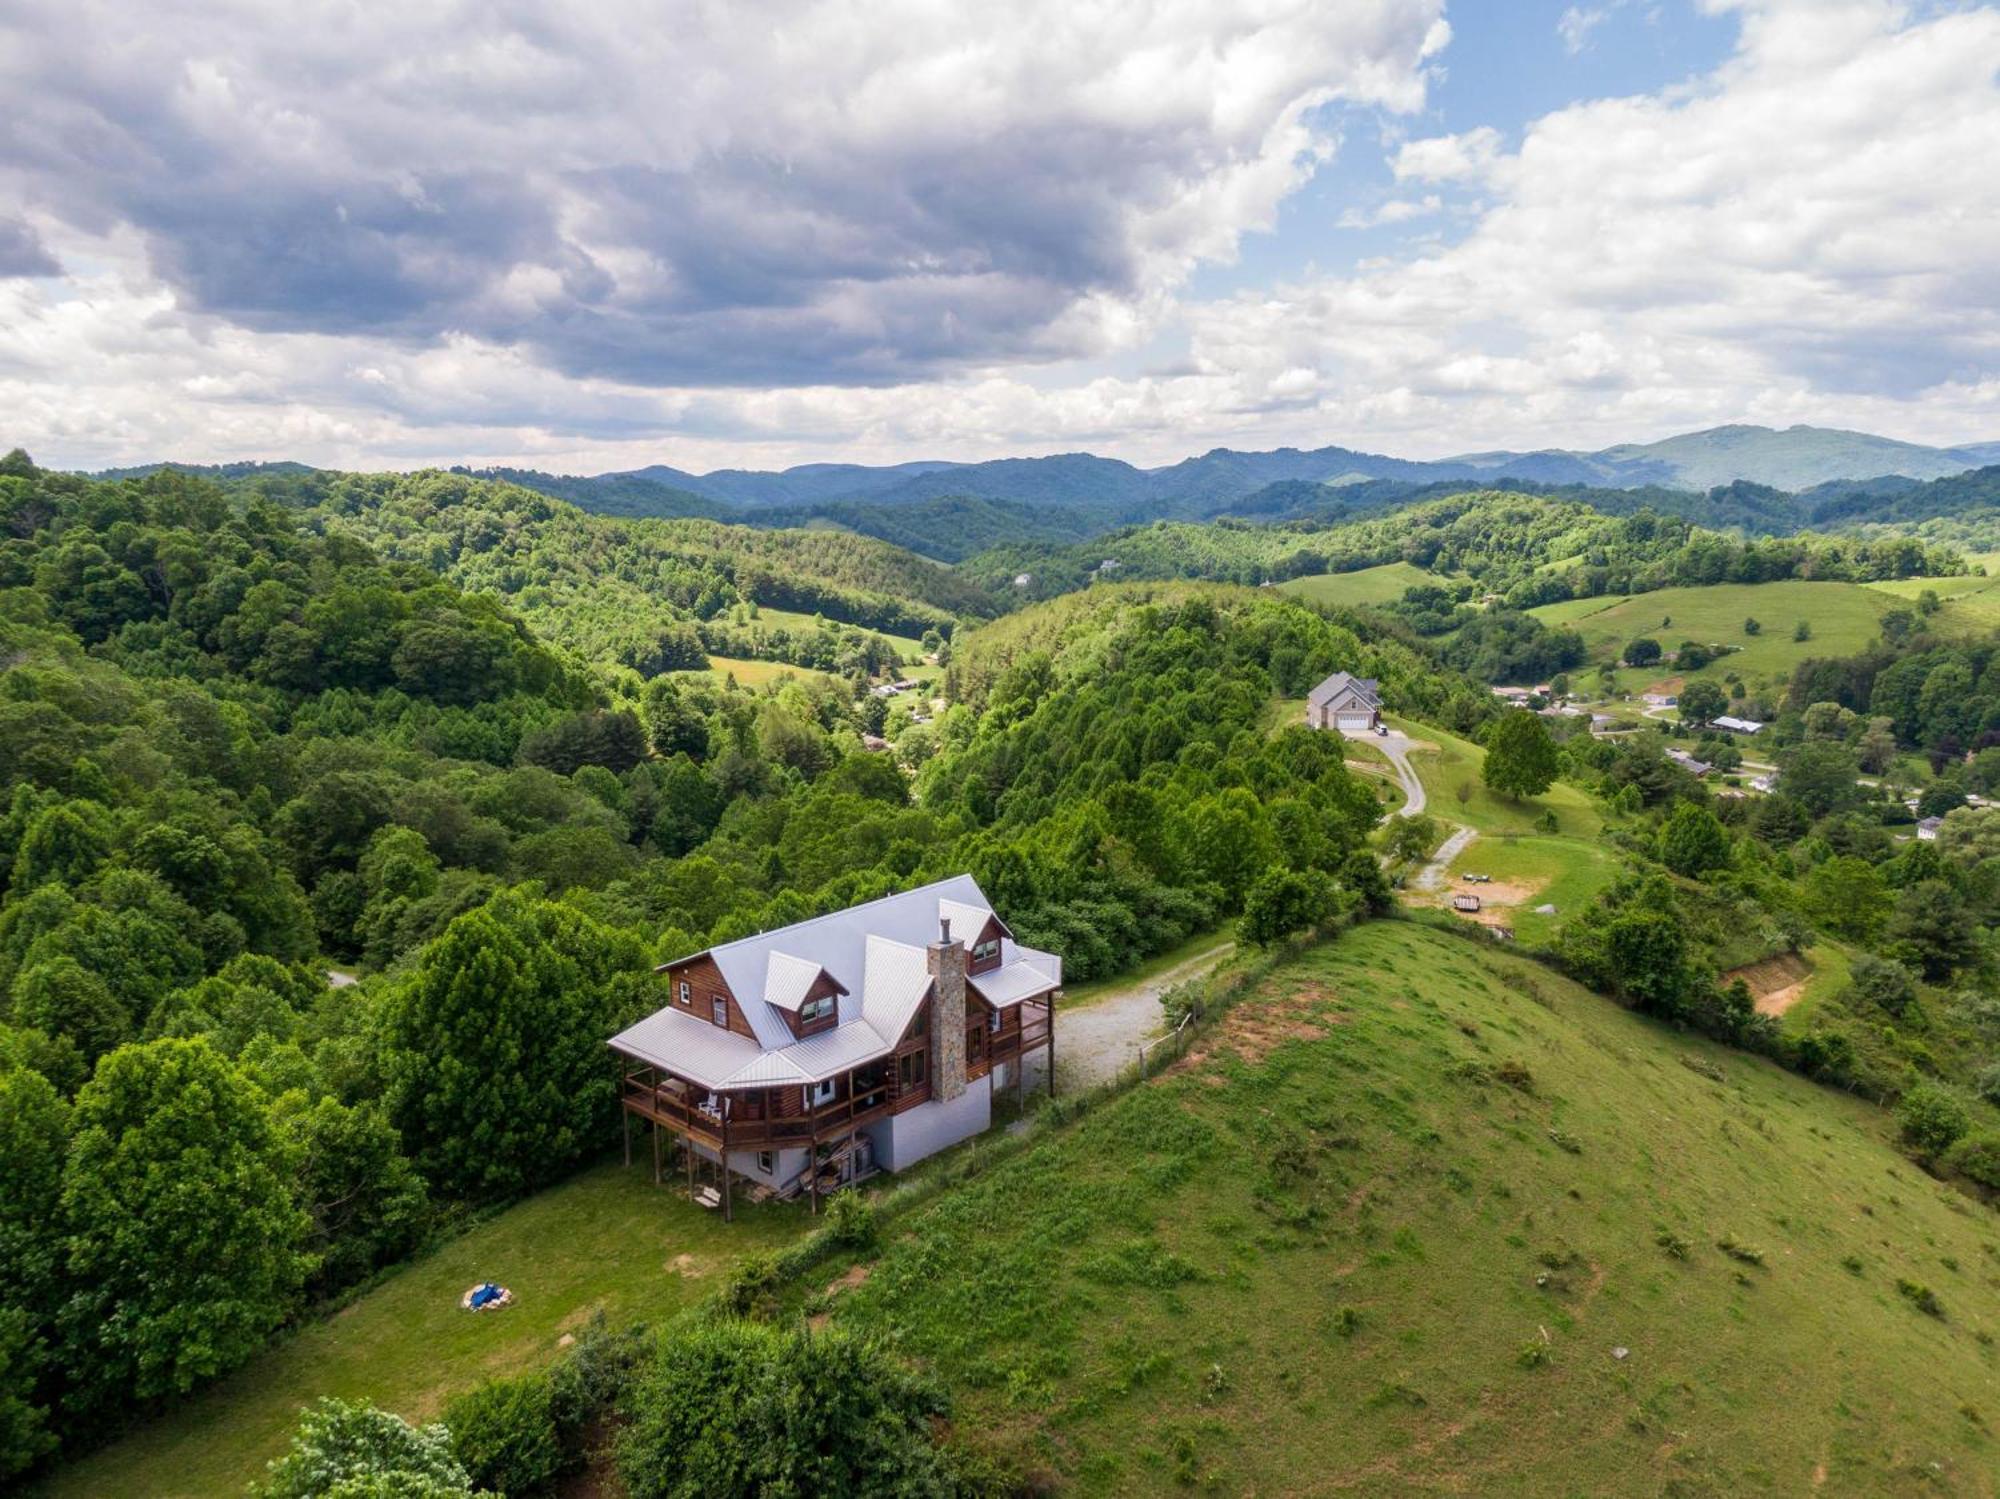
(1971, 604)
(754, 674)
(606, 1239)
(911, 647)
(1444, 762)
(1333, 1252)
(1843, 617)
(1368, 585)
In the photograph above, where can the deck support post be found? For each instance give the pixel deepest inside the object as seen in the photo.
(687, 1149)
(1052, 1046)
(726, 1210)
(655, 1133)
(812, 1170)
(625, 1125)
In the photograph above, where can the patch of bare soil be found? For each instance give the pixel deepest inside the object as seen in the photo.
(1260, 1023)
(855, 1275)
(1776, 983)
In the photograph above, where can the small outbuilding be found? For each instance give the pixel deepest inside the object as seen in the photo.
(1465, 903)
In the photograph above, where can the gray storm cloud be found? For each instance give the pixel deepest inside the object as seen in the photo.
(687, 193)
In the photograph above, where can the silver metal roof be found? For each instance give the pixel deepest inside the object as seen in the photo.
(876, 952)
(787, 979)
(1014, 982)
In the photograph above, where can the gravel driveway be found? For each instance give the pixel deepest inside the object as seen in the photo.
(1095, 1040)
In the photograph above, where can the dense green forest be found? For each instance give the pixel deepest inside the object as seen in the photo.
(1527, 550)
(239, 742)
(648, 594)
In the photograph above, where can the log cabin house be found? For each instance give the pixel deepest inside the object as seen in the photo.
(863, 1040)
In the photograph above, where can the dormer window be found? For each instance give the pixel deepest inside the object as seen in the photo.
(718, 1009)
(987, 952)
(814, 1010)
(684, 992)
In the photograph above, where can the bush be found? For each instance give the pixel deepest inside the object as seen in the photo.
(505, 1433)
(1932, 1118)
(592, 1377)
(1977, 1156)
(850, 1220)
(1923, 1298)
(738, 1408)
(350, 1447)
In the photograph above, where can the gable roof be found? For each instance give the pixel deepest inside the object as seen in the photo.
(874, 953)
(1364, 690)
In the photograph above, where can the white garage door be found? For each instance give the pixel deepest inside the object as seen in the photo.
(1353, 720)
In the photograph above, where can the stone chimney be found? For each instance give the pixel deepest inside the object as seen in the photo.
(945, 959)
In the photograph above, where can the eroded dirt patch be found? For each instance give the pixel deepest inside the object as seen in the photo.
(1260, 1023)
(1776, 983)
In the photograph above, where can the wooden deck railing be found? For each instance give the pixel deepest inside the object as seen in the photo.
(676, 1106)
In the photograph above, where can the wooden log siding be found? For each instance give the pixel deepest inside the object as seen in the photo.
(706, 985)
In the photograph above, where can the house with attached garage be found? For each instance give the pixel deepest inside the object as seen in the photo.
(804, 1058)
(1345, 702)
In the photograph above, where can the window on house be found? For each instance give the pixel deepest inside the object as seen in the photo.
(910, 1069)
(815, 1009)
(987, 952)
(818, 1093)
(767, 1162)
(718, 1008)
(993, 1022)
(684, 992)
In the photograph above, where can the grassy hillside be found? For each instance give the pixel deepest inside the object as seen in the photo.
(407, 1345)
(1454, 762)
(1333, 1252)
(1368, 585)
(1843, 618)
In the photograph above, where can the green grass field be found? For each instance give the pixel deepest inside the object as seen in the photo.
(1456, 762)
(1567, 873)
(1971, 605)
(1332, 1252)
(1368, 585)
(911, 647)
(609, 1238)
(754, 674)
(1843, 617)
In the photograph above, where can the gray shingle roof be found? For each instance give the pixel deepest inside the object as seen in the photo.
(1366, 690)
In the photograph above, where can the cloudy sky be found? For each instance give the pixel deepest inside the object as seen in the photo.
(590, 237)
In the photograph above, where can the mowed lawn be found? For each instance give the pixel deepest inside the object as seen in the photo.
(1445, 764)
(1333, 1252)
(608, 1238)
(1531, 871)
(1368, 585)
(1843, 617)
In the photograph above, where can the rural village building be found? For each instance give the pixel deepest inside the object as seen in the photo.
(865, 1039)
(1927, 828)
(1738, 725)
(1344, 702)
